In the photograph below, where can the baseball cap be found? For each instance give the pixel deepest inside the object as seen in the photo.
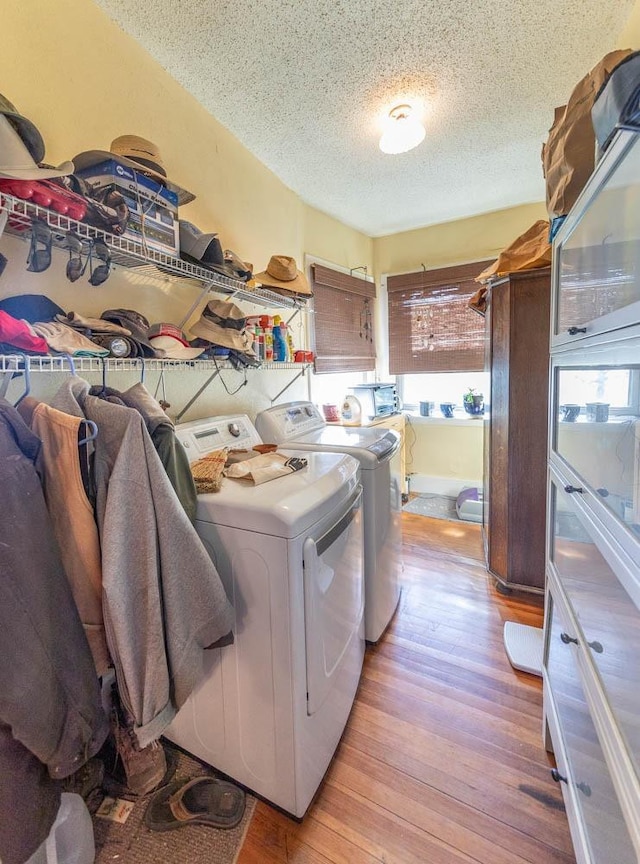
(31, 307)
(204, 250)
(174, 348)
(168, 330)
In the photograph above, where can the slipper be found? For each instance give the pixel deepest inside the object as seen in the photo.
(201, 801)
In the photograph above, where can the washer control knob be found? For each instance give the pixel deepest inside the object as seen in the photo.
(234, 429)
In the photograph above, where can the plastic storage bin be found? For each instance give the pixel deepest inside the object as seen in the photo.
(70, 840)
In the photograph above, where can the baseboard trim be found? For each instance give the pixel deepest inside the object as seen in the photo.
(426, 484)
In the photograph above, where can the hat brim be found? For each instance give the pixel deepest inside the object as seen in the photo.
(227, 338)
(31, 137)
(222, 269)
(299, 285)
(93, 157)
(36, 173)
(173, 350)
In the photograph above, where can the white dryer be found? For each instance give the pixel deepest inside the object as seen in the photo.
(300, 425)
(270, 709)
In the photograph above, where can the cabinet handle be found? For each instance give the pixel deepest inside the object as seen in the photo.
(557, 776)
(584, 788)
(596, 646)
(571, 489)
(573, 331)
(567, 639)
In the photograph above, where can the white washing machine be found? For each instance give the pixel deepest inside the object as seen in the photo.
(270, 709)
(301, 425)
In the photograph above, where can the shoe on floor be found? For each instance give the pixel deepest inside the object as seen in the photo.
(144, 767)
(200, 801)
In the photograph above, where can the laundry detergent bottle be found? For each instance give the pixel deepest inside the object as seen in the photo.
(351, 411)
(279, 342)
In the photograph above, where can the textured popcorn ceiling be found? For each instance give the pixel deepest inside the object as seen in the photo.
(303, 84)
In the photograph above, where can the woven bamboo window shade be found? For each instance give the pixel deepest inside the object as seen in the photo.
(343, 321)
(431, 328)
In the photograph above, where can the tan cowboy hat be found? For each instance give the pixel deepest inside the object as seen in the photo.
(16, 162)
(282, 273)
(137, 153)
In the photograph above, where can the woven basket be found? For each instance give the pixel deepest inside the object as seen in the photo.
(207, 472)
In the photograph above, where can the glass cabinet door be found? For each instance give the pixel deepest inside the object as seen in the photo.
(596, 426)
(596, 798)
(597, 251)
(607, 613)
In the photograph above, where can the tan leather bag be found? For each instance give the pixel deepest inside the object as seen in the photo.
(569, 154)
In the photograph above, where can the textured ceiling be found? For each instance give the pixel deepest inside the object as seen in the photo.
(303, 84)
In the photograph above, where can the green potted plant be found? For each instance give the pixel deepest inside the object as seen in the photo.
(473, 402)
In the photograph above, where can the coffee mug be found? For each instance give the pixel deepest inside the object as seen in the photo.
(570, 412)
(598, 412)
(447, 408)
(426, 409)
(331, 414)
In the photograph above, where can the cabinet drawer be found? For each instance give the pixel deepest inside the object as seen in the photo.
(588, 773)
(606, 612)
(597, 253)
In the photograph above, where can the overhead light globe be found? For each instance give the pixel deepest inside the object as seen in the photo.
(403, 131)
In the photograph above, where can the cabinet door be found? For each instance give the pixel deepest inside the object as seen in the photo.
(597, 250)
(600, 813)
(596, 431)
(605, 603)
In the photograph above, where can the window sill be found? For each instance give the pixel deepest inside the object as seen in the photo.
(458, 419)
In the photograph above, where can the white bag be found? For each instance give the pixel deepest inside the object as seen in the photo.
(70, 840)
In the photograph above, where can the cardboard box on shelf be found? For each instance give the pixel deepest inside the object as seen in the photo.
(153, 209)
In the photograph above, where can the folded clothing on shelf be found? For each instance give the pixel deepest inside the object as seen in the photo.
(17, 333)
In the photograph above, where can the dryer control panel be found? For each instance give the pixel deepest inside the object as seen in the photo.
(290, 421)
(199, 437)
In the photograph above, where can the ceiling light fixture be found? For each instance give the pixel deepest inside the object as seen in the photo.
(403, 131)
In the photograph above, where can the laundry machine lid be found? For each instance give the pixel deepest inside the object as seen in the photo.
(287, 506)
(284, 507)
(300, 424)
(368, 445)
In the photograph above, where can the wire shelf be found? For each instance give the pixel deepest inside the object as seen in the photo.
(55, 363)
(132, 255)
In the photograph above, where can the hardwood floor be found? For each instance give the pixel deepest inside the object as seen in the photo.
(442, 760)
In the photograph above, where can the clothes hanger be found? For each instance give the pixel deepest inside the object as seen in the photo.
(93, 429)
(141, 359)
(104, 377)
(72, 365)
(27, 379)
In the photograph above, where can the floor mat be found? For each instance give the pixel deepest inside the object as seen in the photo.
(134, 843)
(436, 506)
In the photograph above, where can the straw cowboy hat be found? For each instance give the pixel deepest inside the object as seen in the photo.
(16, 162)
(138, 153)
(282, 274)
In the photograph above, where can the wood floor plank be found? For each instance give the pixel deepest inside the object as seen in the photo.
(442, 761)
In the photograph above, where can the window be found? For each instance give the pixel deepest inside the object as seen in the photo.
(343, 324)
(617, 387)
(441, 387)
(431, 327)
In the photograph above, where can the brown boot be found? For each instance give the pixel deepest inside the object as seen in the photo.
(144, 767)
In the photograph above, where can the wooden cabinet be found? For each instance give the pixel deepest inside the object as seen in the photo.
(517, 358)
